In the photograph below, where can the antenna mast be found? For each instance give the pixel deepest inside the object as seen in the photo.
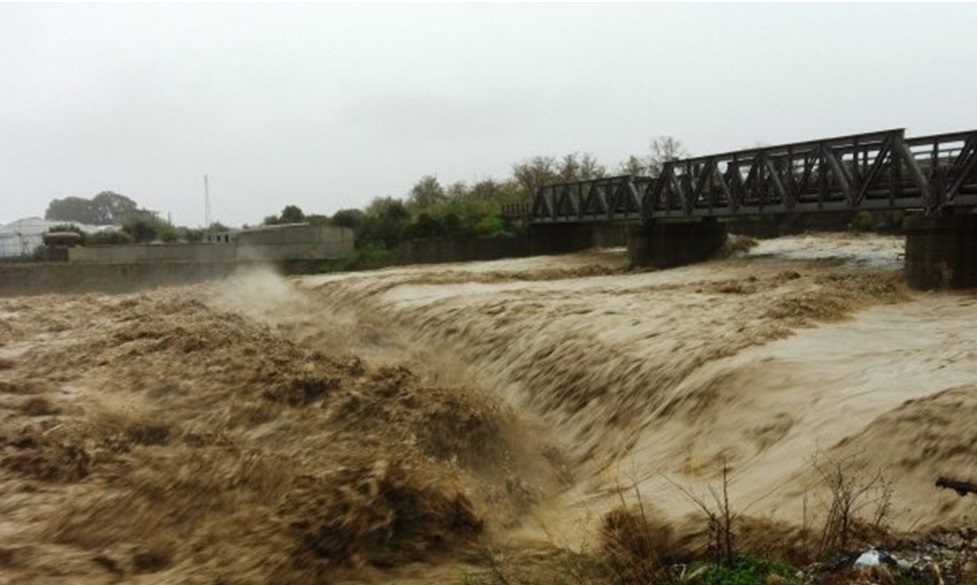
(207, 219)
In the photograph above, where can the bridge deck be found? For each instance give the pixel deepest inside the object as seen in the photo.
(877, 170)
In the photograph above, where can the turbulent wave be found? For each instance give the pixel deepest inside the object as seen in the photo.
(269, 430)
(157, 434)
(764, 363)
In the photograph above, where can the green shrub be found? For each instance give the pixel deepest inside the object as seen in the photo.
(749, 570)
(863, 221)
(491, 226)
(370, 257)
(141, 230)
(191, 235)
(109, 237)
(168, 234)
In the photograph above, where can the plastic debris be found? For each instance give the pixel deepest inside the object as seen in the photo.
(875, 558)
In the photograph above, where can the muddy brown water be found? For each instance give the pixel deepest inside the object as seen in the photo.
(367, 426)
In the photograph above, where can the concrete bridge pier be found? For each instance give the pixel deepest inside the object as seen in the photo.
(560, 238)
(563, 238)
(941, 251)
(666, 244)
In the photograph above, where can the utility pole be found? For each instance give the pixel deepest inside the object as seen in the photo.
(207, 220)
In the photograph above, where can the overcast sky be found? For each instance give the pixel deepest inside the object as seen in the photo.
(328, 106)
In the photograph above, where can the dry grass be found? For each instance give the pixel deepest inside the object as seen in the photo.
(858, 504)
(637, 546)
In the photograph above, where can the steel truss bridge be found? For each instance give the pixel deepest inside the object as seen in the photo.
(874, 171)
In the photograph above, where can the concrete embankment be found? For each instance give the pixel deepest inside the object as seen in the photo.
(64, 277)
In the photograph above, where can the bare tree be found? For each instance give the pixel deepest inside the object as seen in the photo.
(635, 165)
(664, 149)
(534, 173)
(580, 167)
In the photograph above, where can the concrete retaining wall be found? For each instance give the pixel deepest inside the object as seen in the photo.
(294, 242)
(137, 253)
(538, 240)
(433, 251)
(562, 238)
(66, 277)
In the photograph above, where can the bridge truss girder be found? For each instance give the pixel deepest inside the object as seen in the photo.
(879, 170)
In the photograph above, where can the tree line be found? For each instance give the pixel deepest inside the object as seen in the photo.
(428, 210)
(463, 211)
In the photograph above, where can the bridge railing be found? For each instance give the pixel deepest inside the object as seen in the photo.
(839, 173)
(878, 170)
(605, 199)
(950, 160)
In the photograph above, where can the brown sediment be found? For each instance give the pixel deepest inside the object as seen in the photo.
(164, 436)
(322, 428)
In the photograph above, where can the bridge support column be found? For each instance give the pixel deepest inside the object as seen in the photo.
(941, 251)
(670, 244)
(559, 238)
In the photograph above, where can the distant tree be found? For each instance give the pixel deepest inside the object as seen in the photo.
(350, 218)
(167, 233)
(291, 214)
(457, 190)
(425, 193)
(388, 208)
(425, 226)
(635, 165)
(71, 209)
(498, 192)
(664, 149)
(384, 223)
(141, 230)
(191, 235)
(454, 226)
(106, 208)
(577, 167)
(317, 219)
(534, 173)
(217, 227)
(113, 209)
